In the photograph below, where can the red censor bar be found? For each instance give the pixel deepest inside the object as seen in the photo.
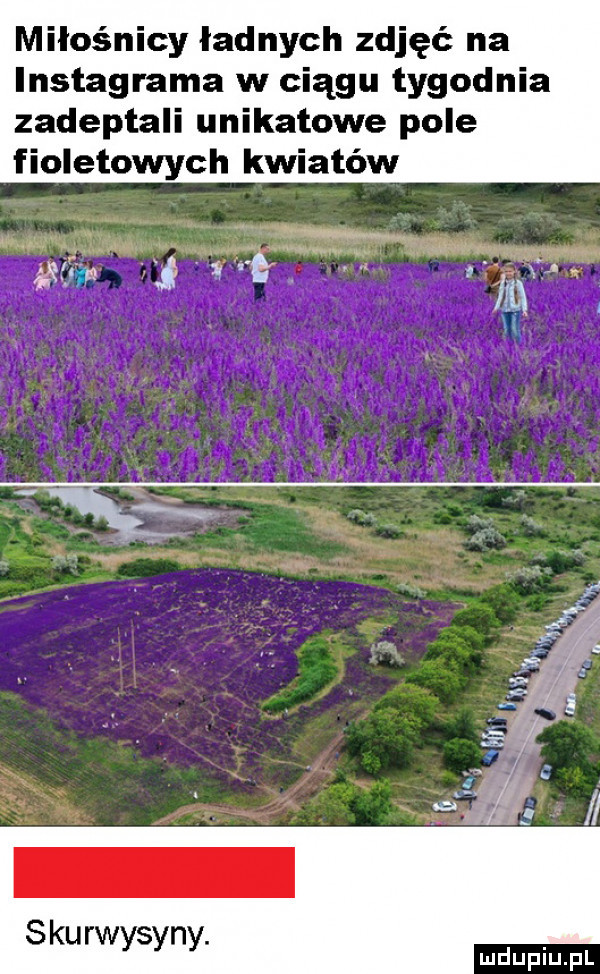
(147, 873)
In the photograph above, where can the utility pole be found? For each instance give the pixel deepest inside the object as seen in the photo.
(121, 688)
(133, 657)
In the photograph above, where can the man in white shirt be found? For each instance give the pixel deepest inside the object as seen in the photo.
(260, 272)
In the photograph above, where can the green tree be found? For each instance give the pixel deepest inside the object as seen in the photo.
(462, 725)
(480, 617)
(573, 780)
(460, 754)
(384, 735)
(567, 744)
(373, 807)
(333, 806)
(451, 653)
(504, 601)
(416, 703)
(444, 681)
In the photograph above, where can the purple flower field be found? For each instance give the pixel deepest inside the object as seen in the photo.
(406, 379)
(210, 646)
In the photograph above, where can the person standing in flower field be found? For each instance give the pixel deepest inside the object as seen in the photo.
(511, 303)
(260, 272)
(493, 276)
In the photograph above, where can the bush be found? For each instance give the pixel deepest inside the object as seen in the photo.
(530, 528)
(144, 567)
(515, 500)
(476, 523)
(385, 653)
(217, 216)
(407, 223)
(411, 591)
(364, 518)
(457, 219)
(4, 568)
(534, 228)
(389, 531)
(486, 540)
(65, 564)
(383, 193)
(529, 579)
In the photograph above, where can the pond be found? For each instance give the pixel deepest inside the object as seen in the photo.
(150, 518)
(87, 500)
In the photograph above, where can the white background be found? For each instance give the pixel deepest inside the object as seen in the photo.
(520, 137)
(367, 899)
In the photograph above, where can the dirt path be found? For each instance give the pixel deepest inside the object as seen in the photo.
(307, 785)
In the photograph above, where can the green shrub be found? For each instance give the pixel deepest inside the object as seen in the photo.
(144, 567)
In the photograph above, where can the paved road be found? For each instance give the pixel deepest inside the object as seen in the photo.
(506, 785)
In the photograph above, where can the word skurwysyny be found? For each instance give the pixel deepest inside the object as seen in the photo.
(55, 934)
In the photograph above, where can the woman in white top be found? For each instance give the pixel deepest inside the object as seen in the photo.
(512, 303)
(45, 278)
(168, 271)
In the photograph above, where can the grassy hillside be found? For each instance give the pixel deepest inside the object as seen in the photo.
(300, 220)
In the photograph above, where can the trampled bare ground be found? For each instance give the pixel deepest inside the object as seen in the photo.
(289, 801)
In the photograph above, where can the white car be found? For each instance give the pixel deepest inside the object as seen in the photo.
(518, 681)
(445, 806)
(570, 708)
(596, 650)
(572, 696)
(475, 772)
(494, 742)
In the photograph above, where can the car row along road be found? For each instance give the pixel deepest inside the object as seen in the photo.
(506, 785)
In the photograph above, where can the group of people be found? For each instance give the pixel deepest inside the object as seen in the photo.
(504, 281)
(73, 271)
(527, 272)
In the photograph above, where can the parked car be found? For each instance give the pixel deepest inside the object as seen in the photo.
(507, 706)
(492, 755)
(518, 693)
(587, 664)
(497, 721)
(572, 696)
(540, 654)
(527, 816)
(596, 649)
(570, 709)
(475, 772)
(491, 742)
(530, 802)
(445, 806)
(465, 795)
(468, 783)
(522, 672)
(546, 772)
(582, 673)
(545, 712)
(518, 681)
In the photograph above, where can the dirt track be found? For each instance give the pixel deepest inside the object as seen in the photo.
(289, 801)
